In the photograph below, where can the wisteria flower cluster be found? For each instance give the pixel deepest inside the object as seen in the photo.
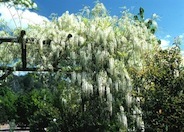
(30, 4)
(96, 49)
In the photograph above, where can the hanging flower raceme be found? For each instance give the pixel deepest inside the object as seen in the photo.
(102, 47)
(30, 4)
(122, 117)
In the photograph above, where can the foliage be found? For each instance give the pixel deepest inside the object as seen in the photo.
(160, 85)
(17, 3)
(45, 112)
(92, 91)
(7, 107)
(150, 23)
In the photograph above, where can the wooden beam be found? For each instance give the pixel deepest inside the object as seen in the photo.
(6, 74)
(14, 40)
(64, 69)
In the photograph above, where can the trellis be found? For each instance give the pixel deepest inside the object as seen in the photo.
(22, 40)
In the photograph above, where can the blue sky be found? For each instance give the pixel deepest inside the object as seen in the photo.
(171, 12)
(170, 23)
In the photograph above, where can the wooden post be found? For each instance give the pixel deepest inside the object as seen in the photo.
(23, 47)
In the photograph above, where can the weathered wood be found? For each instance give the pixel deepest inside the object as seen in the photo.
(6, 74)
(23, 47)
(63, 69)
(22, 41)
(14, 40)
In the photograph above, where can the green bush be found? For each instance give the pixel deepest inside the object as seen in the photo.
(160, 83)
(7, 105)
(25, 108)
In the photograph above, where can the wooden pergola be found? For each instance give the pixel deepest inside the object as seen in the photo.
(22, 41)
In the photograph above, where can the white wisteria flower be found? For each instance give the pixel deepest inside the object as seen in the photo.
(100, 47)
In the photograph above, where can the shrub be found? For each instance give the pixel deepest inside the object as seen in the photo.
(160, 83)
(7, 107)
